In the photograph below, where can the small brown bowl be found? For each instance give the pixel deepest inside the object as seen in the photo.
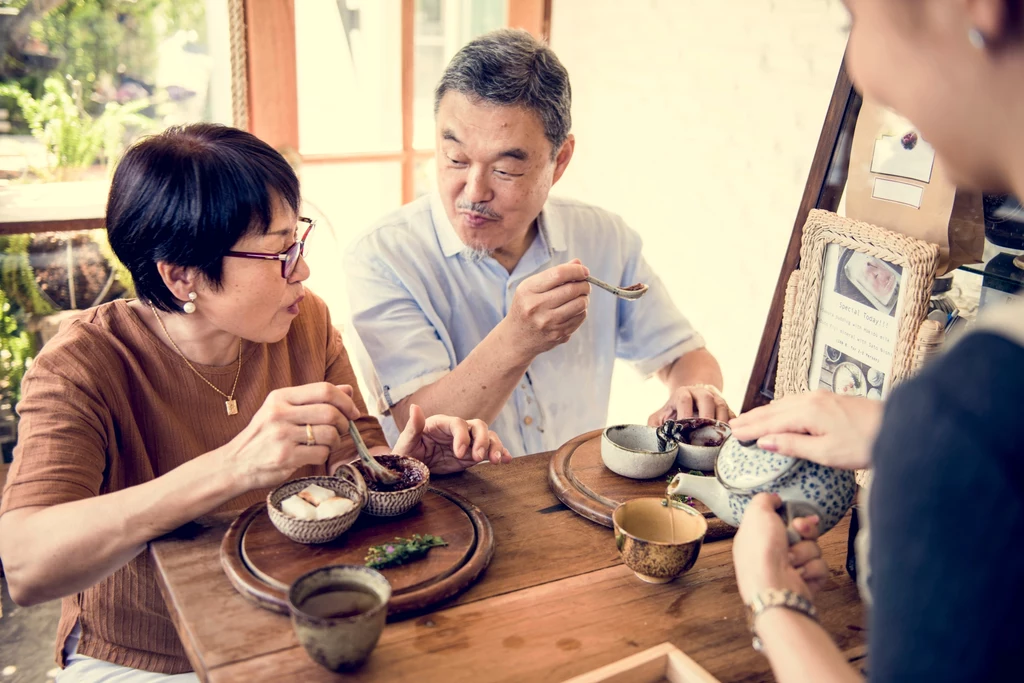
(644, 536)
(311, 531)
(394, 503)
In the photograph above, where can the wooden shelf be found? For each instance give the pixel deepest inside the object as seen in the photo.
(51, 207)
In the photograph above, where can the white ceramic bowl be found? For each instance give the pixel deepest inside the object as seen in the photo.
(632, 451)
(695, 455)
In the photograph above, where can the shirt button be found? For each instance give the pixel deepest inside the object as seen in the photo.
(527, 420)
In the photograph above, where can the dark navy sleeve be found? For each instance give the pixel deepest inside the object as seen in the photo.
(947, 520)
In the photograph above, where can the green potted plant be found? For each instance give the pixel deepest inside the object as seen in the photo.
(75, 140)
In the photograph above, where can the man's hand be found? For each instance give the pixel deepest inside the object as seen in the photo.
(831, 430)
(701, 400)
(548, 307)
(449, 444)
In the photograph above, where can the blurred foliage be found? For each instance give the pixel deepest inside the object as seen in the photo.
(74, 138)
(17, 349)
(19, 299)
(95, 37)
(103, 43)
(17, 278)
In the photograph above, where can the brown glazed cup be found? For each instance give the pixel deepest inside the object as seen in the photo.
(650, 546)
(338, 614)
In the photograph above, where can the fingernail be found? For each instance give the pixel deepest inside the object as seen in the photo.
(767, 443)
(802, 572)
(792, 558)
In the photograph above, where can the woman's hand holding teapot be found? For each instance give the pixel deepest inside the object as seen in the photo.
(764, 559)
(831, 430)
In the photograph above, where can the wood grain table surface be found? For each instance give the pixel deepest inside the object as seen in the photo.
(554, 602)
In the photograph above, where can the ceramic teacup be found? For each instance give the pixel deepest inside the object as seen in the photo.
(700, 439)
(657, 540)
(338, 613)
(632, 451)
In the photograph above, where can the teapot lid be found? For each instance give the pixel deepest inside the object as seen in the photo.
(746, 468)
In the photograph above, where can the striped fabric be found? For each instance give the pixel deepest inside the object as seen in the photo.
(108, 405)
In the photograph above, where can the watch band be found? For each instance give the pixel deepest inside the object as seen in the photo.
(773, 597)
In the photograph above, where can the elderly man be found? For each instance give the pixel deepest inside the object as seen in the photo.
(474, 301)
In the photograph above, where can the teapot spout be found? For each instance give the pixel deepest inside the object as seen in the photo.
(708, 491)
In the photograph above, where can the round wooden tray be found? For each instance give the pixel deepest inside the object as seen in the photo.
(580, 480)
(261, 562)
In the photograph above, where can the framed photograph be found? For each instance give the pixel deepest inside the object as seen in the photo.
(855, 309)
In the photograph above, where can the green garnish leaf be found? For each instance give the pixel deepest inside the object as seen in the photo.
(402, 550)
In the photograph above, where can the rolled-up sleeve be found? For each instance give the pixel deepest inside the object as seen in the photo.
(397, 336)
(652, 332)
(61, 452)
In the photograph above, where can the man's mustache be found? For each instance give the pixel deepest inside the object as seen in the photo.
(476, 207)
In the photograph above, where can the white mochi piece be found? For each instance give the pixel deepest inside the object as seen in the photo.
(314, 495)
(293, 506)
(334, 507)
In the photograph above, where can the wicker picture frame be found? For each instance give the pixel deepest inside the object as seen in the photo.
(917, 338)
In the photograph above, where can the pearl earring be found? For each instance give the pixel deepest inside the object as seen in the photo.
(190, 306)
(977, 38)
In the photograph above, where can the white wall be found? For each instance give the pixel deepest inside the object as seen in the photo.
(696, 120)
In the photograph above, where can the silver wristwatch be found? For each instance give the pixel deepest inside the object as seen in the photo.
(773, 597)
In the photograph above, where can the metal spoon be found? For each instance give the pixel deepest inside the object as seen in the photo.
(631, 293)
(373, 468)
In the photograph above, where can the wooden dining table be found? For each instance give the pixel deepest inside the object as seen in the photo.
(556, 601)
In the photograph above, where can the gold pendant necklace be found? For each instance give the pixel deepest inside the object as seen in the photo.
(230, 404)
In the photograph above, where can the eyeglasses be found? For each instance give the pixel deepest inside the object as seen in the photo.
(289, 258)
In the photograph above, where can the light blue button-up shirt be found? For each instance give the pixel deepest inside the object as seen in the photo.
(420, 305)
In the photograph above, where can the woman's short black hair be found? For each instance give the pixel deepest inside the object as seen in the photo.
(186, 196)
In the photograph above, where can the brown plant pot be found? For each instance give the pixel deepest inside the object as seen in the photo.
(91, 278)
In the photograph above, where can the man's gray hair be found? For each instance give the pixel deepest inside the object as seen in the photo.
(512, 68)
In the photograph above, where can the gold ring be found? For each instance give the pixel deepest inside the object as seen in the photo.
(310, 438)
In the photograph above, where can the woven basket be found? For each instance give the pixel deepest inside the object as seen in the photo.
(310, 531)
(394, 503)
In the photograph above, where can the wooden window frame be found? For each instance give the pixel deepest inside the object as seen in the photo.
(275, 78)
(822, 190)
(272, 108)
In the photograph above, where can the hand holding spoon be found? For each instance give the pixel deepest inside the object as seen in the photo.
(631, 293)
(373, 468)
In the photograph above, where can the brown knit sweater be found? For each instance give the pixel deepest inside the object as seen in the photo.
(107, 405)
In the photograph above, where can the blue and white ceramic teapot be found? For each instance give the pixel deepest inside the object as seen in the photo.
(741, 472)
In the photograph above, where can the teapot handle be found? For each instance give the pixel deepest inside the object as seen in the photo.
(790, 510)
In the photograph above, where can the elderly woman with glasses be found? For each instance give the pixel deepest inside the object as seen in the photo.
(223, 379)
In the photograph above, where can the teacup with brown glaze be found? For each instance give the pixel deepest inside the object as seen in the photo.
(338, 613)
(658, 540)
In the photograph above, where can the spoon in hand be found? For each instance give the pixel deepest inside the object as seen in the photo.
(373, 468)
(631, 293)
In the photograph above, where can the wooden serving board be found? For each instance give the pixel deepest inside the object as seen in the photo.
(261, 562)
(579, 478)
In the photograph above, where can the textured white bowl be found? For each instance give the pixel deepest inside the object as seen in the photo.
(693, 457)
(632, 451)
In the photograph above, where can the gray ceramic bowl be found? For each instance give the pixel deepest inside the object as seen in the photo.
(697, 443)
(632, 451)
(657, 541)
(338, 613)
